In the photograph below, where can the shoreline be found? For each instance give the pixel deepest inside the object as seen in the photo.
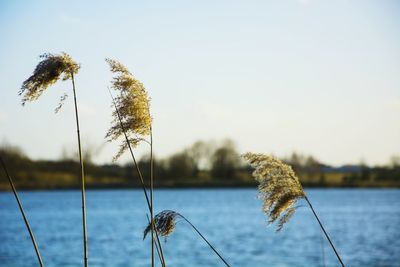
(184, 187)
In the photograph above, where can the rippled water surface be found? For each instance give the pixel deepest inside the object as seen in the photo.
(364, 225)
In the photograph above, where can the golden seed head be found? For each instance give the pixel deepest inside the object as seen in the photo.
(164, 223)
(46, 73)
(132, 106)
(279, 187)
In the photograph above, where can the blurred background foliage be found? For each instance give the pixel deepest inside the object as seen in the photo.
(203, 164)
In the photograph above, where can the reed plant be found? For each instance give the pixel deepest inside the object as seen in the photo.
(132, 121)
(21, 209)
(280, 189)
(49, 70)
(165, 223)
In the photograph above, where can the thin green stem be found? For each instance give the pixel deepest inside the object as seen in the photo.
(139, 173)
(145, 191)
(323, 229)
(85, 242)
(158, 250)
(22, 212)
(151, 197)
(205, 239)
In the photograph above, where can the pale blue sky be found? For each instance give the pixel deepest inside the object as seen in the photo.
(316, 77)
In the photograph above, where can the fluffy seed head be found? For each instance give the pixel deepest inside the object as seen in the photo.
(132, 105)
(279, 187)
(164, 223)
(46, 73)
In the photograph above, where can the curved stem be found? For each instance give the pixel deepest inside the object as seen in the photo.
(85, 242)
(139, 173)
(323, 229)
(208, 243)
(23, 213)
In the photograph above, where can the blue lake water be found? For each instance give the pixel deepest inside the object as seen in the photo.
(364, 225)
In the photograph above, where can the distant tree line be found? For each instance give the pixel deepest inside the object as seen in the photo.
(201, 164)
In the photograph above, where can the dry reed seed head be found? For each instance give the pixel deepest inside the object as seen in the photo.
(61, 103)
(164, 223)
(285, 218)
(47, 72)
(123, 147)
(116, 66)
(279, 187)
(131, 108)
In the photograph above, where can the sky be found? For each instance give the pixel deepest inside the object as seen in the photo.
(311, 76)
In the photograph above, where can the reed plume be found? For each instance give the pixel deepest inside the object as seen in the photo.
(132, 120)
(280, 189)
(133, 105)
(165, 223)
(28, 227)
(47, 72)
(52, 68)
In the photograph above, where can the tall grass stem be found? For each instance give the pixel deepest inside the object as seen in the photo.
(151, 196)
(139, 174)
(323, 229)
(22, 212)
(85, 242)
(205, 239)
(158, 250)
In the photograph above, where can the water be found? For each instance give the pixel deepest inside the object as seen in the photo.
(364, 225)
